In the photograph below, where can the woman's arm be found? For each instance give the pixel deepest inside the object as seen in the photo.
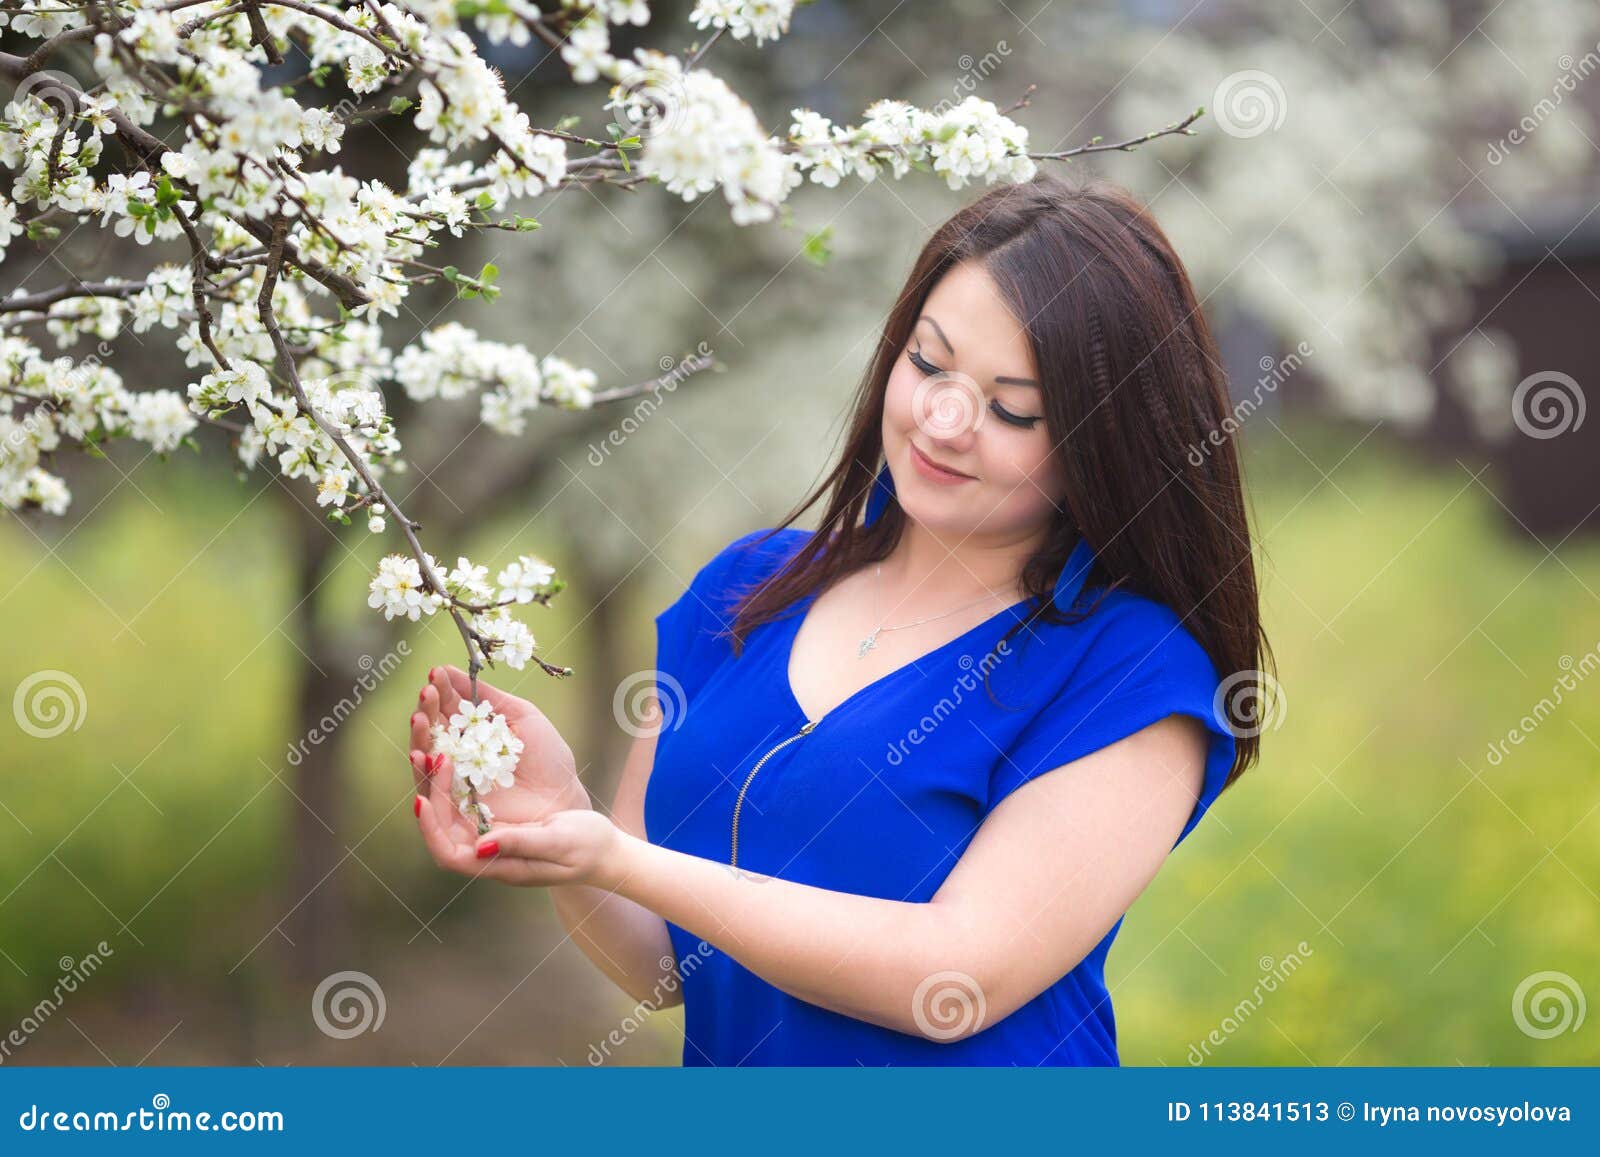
(626, 941)
(1047, 875)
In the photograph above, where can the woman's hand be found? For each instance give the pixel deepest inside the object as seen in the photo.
(580, 846)
(546, 775)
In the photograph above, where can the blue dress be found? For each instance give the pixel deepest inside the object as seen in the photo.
(881, 796)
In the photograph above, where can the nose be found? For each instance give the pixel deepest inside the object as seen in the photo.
(949, 409)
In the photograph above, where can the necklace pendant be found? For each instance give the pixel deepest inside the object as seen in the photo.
(867, 644)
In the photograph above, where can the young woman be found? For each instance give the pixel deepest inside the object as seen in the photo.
(906, 773)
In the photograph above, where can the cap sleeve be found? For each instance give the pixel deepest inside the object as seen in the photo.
(1146, 668)
(688, 646)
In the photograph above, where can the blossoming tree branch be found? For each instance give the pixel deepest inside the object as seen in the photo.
(273, 267)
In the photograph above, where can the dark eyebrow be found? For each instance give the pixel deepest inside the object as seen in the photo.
(1004, 381)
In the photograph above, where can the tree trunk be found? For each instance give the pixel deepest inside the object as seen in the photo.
(608, 658)
(316, 916)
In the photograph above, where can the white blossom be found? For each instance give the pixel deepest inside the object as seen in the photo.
(397, 589)
(525, 578)
(482, 748)
(763, 19)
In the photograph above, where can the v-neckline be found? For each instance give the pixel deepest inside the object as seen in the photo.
(797, 620)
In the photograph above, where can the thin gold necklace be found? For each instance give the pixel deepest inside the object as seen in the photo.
(870, 641)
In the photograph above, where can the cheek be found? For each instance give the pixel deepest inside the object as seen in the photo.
(898, 394)
(1024, 466)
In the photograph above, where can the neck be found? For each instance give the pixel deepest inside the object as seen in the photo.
(937, 570)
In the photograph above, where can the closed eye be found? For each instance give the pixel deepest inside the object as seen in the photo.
(1020, 420)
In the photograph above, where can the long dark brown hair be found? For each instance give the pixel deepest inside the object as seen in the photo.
(1133, 395)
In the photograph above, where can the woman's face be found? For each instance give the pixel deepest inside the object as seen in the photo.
(964, 394)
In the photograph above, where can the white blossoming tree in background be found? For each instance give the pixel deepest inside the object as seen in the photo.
(273, 267)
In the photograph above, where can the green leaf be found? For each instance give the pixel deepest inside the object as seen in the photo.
(399, 104)
(489, 273)
(816, 248)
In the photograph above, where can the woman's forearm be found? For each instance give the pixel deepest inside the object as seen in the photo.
(627, 942)
(856, 955)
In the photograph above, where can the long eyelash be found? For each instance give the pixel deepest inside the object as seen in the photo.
(998, 410)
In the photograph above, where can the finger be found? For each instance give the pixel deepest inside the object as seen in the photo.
(446, 852)
(428, 703)
(460, 685)
(444, 687)
(421, 732)
(529, 841)
(419, 771)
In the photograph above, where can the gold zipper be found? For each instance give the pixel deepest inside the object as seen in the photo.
(738, 804)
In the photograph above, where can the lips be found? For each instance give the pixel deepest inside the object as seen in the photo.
(937, 465)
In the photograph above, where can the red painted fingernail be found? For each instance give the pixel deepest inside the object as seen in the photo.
(488, 849)
(434, 760)
(421, 693)
(416, 808)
